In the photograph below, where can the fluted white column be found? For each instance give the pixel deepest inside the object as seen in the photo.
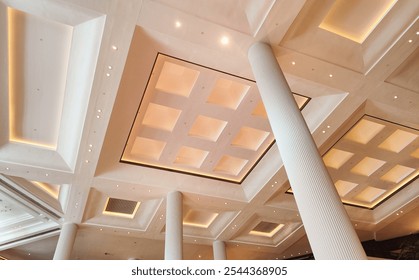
(174, 227)
(219, 250)
(65, 241)
(328, 227)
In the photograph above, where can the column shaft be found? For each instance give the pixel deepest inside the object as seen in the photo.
(174, 227)
(326, 222)
(219, 250)
(65, 241)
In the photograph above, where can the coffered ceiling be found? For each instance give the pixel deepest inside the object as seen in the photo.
(109, 105)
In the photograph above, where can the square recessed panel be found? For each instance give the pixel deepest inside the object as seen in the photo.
(121, 207)
(207, 128)
(51, 189)
(177, 79)
(397, 174)
(369, 194)
(228, 93)
(367, 166)
(398, 141)
(146, 148)
(230, 165)
(187, 122)
(161, 117)
(364, 131)
(266, 229)
(355, 19)
(250, 138)
(344, 187)
(335, 158)
(191, 156)
(199, 218)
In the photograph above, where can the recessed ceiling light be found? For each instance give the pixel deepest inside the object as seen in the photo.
(46, 174)
(328, 126)
(87, 161)
(178, 24)
(114, 47)
(97, 116)
(108, 74)
(99, 111)
(7, 168)
(330, 75)
(90, 145)
(128, 232)
(293, 62)
(417, 33)
(109, 67)
(324, 131)
(395, 97)
(101, 229)
(224, 40)
(410, 41)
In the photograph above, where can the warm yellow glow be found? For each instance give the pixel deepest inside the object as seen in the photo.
(122, 215)
(397, 173)
(397, 141)
(161, 117)
(367, 166)
(52, 190)
(364, 131)
(36, 144)
(369, 194)
(201, 219)
(267, 234)
(356, 19)
(335, 158)
(344, 187)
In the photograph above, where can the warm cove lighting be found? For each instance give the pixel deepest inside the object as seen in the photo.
(356, 19)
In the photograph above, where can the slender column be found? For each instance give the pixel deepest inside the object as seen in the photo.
(174, 227)
(328, 227)
(65, 241)
(219, 249)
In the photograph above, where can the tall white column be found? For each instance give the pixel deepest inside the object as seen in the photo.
(328, 227)
(219, 250)
(174, 227)
(65, 241)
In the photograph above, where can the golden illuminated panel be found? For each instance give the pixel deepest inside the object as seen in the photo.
(147, 148)
(52, 190)
(369, 194)
(266, 229)
(250, 138)
(191, 157)
(199, 218)
(335, 158)
(176, 79)
(207, 128)
(364, 131)
(355, 19)
(230, 165)
(121, 207)
(366, 175)
(344, 187)
(161, 117)
(367, 166)
(228, 94)
(398, 141)
(397, 174)
(199, 121)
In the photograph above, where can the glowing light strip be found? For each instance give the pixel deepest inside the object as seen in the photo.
(267, 234)
(47, 189)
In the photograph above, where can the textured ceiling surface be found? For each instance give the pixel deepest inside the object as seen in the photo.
(107, 107)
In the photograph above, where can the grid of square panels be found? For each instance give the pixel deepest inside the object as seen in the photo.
(372, 161)
(199, 121)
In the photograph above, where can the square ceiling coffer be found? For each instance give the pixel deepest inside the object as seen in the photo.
(199, 121)
(121, 207)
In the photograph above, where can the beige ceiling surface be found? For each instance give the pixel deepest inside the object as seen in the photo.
(107, 107)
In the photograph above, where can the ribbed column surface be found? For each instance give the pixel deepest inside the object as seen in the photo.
(219, 250)
(173, 249)
(65, 242)
(328, 227)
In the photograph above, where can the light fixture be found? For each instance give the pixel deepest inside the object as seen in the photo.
(108, 74)
(114, 47)
(178, 24)
(293, 62)
(395, 97)
(410, 41)
(224, 40)
(109, 67)
(330, 75)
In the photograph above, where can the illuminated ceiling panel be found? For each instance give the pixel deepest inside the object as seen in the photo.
(187, 122)
(366, 177)
(266, 229)
(356, 19)
(199, 218)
